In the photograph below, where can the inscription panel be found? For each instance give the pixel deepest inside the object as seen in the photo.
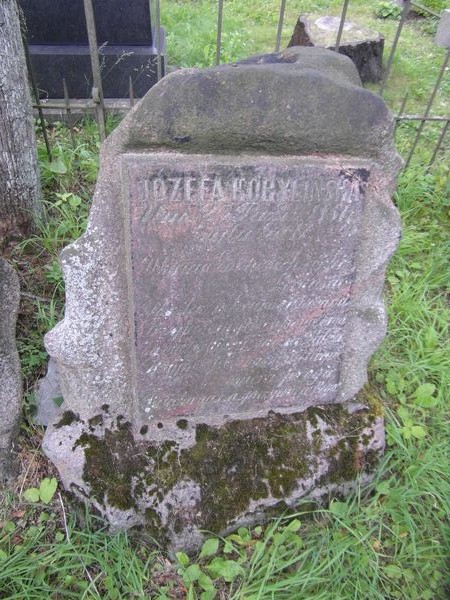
(241, 279)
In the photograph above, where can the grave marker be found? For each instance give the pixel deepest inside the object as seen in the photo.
(223, 304)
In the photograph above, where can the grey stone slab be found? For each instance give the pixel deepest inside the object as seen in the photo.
(249, 315)
(10, 381)
(362, 45)
(48, 396)
(443, 32)
(227, 291)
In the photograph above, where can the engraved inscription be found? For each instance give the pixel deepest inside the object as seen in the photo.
(242, 275)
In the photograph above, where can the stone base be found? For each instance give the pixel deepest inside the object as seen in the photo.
(214, 478)
(48, 396)
(363, 46)
(52, 64)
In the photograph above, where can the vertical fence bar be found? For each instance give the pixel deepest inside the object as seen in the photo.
(97, 90)
(36, 97)
(131, 91)
(406, 9)
(341, 26)
(280, 25)
(402, 107)
(68, 110)
(439, 142)
(158, 40)
(219, 31)
(429, 105)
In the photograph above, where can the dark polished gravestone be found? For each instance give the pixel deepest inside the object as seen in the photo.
(59, 47)
(223, 304)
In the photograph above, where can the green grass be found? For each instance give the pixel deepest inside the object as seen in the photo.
(388, 540)
(250, 28)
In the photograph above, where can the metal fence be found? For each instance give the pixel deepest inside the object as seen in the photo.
(97, 102)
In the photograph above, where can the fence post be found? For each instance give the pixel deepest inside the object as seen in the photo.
(158, 40)
(341, 26)
(97, 90)
(406, 9)
(219, 31)
(280, 25)
(429, 105)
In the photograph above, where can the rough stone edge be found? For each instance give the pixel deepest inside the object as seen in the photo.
(10, 379)
(381, 232)
(94, 337)
(184, 497)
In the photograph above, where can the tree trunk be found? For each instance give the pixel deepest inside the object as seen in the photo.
(20, 196)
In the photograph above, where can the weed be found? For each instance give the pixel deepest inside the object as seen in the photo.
(388, 10)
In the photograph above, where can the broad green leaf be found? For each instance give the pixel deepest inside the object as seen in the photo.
(57, 166)
(190, 594)
(393, 571)
(230, 570)
(294, 525)
(9, 526)
(338, 508)
(423, 396)
(47, 489)
(403, 413)
(418, 431)
(208, 594)
(428, 402)
(209, 548)
(228, 548)
(74, 200)
(3, 555)
(383, 488)
(191, 574)
(205, 582)
(425, 390)
(31, 495)
(431, 338)
(182, 558)
(244, 533)
(216, 565)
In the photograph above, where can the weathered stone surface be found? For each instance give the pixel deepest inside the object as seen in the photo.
(10, 381)
(48, 396)
(363, 46)
(230, 281)
(443, 32)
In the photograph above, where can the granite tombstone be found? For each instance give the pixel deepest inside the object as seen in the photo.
(59, 48)
(223, 304)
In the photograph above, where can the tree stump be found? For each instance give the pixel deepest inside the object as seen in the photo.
(363, 46)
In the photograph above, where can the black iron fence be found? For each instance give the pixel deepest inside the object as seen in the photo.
(96, 103)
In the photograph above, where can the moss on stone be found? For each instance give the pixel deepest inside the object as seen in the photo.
(68, 417)
(233, 465)
(111, 462)
(95, 421)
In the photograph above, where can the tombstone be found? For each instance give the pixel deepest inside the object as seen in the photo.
(223, 304)
(443, 31)
(59, 47)
(362, 45)
(10, 381)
